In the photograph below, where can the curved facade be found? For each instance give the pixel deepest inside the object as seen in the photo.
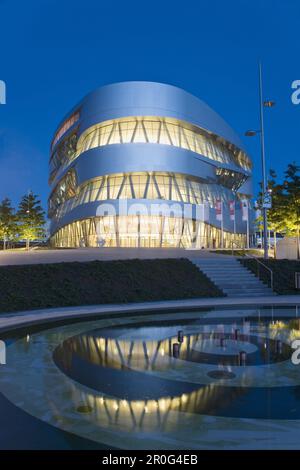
(145, 164)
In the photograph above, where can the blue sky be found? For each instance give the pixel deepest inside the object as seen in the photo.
(53, 52)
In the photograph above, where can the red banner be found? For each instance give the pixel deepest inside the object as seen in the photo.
(232, 210)
(219, 211)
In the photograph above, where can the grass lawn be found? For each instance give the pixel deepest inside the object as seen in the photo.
(99, 282)
(283, 273)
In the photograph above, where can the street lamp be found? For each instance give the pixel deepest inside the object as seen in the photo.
(250, 133)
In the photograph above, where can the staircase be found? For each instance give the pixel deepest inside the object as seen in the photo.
(232, 278)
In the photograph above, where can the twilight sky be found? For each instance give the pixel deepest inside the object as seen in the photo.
(53, 52)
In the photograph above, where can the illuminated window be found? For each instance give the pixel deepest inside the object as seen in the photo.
(64, 154)
(64, 127)
(166, 186)
(166, 131)
(143, 231)
(65, 190)
(230, 179)
(154, 130)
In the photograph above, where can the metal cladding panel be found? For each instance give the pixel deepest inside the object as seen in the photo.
(137, 157)
(126, 158)
(140, 98)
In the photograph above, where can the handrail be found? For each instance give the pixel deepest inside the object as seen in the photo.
(258, 263)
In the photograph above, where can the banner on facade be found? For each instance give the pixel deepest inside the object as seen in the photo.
(232, 210)
(244, 205)
(219, 211)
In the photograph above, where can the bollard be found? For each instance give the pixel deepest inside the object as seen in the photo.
(180, 336)
(176, 350)
(242, 358)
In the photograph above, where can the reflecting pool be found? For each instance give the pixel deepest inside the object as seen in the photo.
(215, 379)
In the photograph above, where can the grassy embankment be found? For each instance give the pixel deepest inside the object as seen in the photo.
(283, 273)
(101, 282)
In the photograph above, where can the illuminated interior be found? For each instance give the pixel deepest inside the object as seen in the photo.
(157, 130)
(143, 231)
(65, 190)
(154, 185)
(65, 127)
(63, 154)
(192, 173)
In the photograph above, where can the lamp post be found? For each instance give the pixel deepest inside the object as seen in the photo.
(250, 133)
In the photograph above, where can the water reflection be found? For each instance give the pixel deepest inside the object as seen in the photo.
(163, 413)
(120, 393)
(211, 347)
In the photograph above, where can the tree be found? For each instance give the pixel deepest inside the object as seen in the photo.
(276, 219)
(284, 215)
(31, 218)
(292, 202)
(8, 225)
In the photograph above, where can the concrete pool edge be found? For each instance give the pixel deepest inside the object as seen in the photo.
(10, 321)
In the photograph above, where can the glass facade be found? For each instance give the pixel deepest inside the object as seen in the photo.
(63, 154)
(155, 130)
(143, 231)
(159, 130)
(162, 186)
(120, 176)
(65, 190)
(230, 179)
(65, 127)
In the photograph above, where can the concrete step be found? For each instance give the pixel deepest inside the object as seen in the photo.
(225, 271)
(238, 282)
(233, 278)
(239, 294)
(243, 285)
(221, 265)
(217, 262)
(249, 290)
(223, 268)
(226, 276)
(234, 269)
(250, 287)
(237, 267)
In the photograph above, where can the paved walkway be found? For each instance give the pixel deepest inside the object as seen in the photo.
(11, 257)
(12, 320)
